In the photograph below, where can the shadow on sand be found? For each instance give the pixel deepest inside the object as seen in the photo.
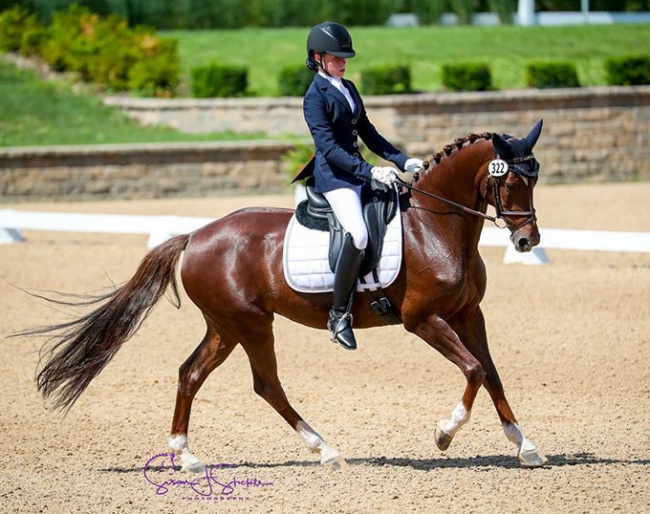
(490, 461)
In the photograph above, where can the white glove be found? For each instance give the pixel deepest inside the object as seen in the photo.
(412, 165)
(386, 175)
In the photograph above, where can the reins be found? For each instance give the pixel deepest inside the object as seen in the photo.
(451, 202)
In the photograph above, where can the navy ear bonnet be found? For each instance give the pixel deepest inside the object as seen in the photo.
(524, 163)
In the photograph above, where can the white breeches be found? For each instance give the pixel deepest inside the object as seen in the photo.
(346, 204)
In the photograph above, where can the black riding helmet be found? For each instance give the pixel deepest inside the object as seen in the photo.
(328, 37)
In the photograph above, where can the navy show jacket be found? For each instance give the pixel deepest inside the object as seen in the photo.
(337, 161)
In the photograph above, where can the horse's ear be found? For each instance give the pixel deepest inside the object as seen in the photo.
(533, 135)
(501, 146)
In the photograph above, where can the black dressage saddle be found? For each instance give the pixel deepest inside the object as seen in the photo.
(380, 204)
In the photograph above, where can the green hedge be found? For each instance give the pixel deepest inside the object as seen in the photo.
(219, 81)
(630, 70)
(103, 50)
(14, 24)
(547, 75)
(467, 77)
(294, 80)
(386, 80)
(159, 73)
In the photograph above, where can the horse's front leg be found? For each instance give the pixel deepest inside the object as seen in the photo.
(438, 334)
(472, 331)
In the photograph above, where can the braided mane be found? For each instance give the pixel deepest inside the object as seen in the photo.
(455, 146)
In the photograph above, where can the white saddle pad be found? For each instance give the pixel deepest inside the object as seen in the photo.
(305, 258)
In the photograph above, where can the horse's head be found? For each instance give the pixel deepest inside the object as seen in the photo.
(514, 173)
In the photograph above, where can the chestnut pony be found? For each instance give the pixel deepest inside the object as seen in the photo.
(232, 271)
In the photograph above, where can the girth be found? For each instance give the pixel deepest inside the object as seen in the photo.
(379, 208)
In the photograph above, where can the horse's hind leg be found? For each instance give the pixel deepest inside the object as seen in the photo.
(260, 350)
(212, 352)
(475, 339)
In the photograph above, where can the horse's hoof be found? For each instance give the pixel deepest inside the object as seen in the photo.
(332, 458)
(532, 459)
(192, 464)
(197, 467)
(443, 439)
(337, 463)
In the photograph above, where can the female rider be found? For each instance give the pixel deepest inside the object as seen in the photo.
(336, 117)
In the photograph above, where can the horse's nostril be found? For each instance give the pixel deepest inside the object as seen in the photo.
(523, 243)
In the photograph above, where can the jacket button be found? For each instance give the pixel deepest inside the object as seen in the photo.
(355, 133)
(354, 121)
(355, 144)
(356, 154)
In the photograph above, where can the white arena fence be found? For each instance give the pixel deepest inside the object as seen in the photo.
(160, 228)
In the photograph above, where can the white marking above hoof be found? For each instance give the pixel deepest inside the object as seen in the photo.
(178, 443)
(447, 428)
(328, 455)
(528, 454)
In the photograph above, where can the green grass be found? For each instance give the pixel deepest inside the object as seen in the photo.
(34, 112)
(506, 49)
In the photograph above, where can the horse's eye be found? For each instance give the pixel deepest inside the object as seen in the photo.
(511, 186)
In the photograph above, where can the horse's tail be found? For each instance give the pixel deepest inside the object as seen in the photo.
(78, 350)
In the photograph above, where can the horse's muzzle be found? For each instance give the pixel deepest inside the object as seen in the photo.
(525, 238)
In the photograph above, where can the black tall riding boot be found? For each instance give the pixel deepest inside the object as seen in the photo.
(345, 280)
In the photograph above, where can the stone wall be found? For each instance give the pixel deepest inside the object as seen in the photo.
(142, 171)
(590, 134)
(594, 134)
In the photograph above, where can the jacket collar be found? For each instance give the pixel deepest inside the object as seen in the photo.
(332, 91)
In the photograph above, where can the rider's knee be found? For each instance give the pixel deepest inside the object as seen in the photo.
(360, 239)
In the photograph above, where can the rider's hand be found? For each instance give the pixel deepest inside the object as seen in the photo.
(386, 174)
(413, 164)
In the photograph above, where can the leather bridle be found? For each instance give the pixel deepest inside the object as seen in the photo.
(532, 172)
(514, 165)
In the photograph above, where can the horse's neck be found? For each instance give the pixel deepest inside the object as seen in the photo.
(459, 176)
